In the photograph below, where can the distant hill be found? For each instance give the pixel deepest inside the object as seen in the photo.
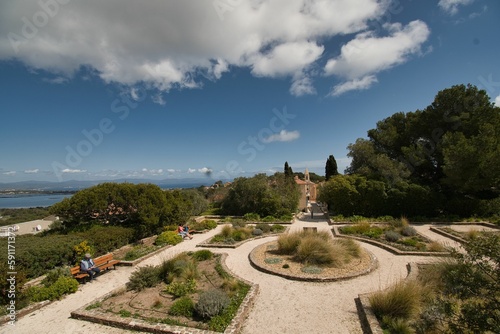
(77, 185)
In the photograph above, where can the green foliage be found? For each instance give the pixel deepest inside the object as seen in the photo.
(183, 306)
(277, 228)
(62, 286)
(15, 216)
(435, 158)
(269, 219)
(315, 250)
(144, 277)
(220, 322)
(211, 303)
(273, 260)
(54, 274)
(262, 195)
(138, 252)
(125, 313)
(265, 228)
(331, 167)
(182, 267)
(181, 289)
(168, 238)
(251, 216)
(207, 224)
(202, 255)
(144, 207)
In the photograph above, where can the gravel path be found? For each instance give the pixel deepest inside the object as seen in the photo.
(282, 306)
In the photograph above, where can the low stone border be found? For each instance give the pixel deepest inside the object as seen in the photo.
(373, 265)
(388, 248)
(94, 315)
(369, 321)
(438, 230)
(207, 244)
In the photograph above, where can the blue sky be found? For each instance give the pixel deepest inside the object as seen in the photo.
(224, 88)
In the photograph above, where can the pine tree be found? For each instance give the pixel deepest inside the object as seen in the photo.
(288, 170)
(331, 167)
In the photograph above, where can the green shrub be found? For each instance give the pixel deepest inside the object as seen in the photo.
(181, 289)
(202, 255)
(207, 224)
(62, 286)
(392, 236)
(241, 234)
(218, 239)
(183, 306)
(408, 231)
(138, 252)
(374, 232)
(269, 219)
(168, 238)
(277, 228)
(252, 217)
(257, 231)
(397, 325)
(211, 303)
(286, 218)
(125, 313)
(409, 242)
(144, 277)
(357, 219)
(54, 274)
(266, 228)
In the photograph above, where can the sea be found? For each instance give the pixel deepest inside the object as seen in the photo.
(18, 201)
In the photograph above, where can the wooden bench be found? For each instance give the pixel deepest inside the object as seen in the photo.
(104, 263)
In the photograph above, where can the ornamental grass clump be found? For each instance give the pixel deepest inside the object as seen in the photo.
(288, 243)
(400, 301)
(314, 250)
(144, 277)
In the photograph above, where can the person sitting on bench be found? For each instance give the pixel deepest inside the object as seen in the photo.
(182, 232)
(88, 266)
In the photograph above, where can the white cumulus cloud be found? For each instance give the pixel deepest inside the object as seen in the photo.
(31, 171)
(73, 171)
(174, 44)
(283, 135)
(497, 101)
(451, 6)
(366, 55)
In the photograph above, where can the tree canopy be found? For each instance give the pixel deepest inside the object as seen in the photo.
(145, 207)
(450, 148)
(331, 168)
(275, 195)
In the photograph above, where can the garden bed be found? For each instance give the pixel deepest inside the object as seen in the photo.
(232, 236)
(152, 309)
(265, 258)
(391, 239)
